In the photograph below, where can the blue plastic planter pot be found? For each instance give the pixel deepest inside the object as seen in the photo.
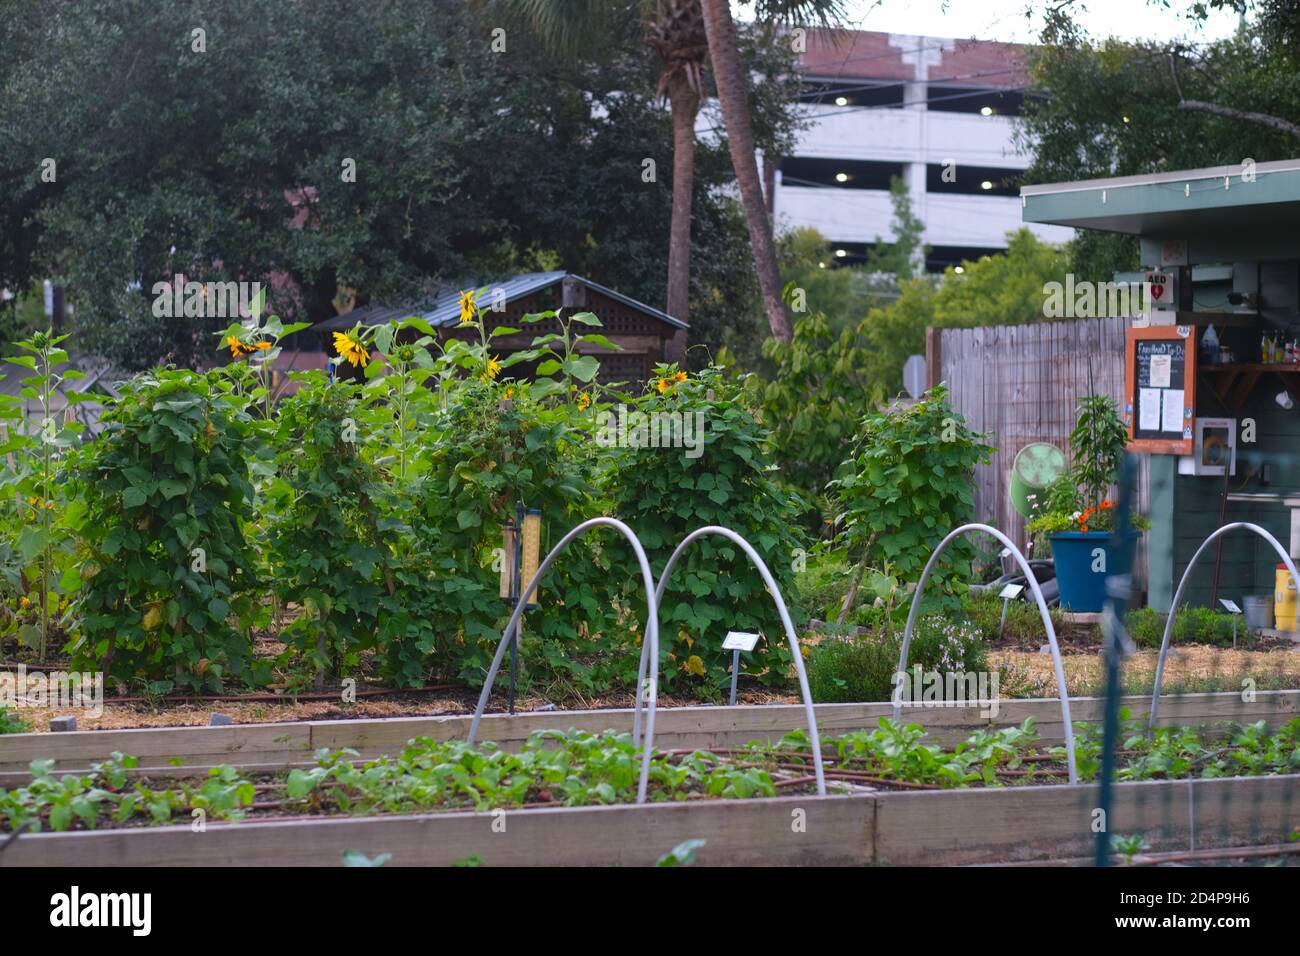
(1082, 588)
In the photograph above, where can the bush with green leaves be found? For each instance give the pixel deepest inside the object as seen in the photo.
(907, 484)
(39, 555)
(324, 545)
(160, 504)
(11, 723)
(814, 400)
(493, 453)
(1192, 625)
(856, 669)
(664, 494)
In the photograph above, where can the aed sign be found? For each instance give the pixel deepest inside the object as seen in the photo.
(1161, 285)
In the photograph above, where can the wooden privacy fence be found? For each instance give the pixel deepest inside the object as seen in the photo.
(1021, 384)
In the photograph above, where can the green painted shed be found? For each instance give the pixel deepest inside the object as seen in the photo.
(1229, 239)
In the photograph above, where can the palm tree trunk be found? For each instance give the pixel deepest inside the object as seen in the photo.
(725, 56)
(685, 105)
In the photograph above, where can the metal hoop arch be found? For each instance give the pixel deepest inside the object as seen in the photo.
(813, 738)
(1042, 609)
(651, 637)
(1178, 597)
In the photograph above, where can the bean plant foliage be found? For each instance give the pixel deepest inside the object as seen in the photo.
(220, 533)
(160, 504)
(907, 484)
(666, 494)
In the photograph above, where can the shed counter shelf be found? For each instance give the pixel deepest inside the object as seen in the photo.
(1232, 383)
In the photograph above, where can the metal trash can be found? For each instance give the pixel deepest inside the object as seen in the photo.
(1258, 610)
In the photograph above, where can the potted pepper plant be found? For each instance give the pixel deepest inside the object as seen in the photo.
(1074, 513)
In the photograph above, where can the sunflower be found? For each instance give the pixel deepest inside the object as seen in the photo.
(584, 402)
(492, 370)
(351, 349)
(663, 386)
(238, 347)
(679, 377)
(466, 307)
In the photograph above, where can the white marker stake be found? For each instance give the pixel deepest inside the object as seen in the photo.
(1008, 594)
(737, 641)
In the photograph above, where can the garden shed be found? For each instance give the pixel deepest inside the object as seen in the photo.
(646, 335)
(1212, 372)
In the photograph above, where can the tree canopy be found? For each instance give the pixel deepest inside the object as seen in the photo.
(185, 141)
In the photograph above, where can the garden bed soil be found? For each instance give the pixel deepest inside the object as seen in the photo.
(1189, 668)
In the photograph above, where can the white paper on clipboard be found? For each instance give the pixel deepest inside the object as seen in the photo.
(1149, 409)
(1161, 366)
(1172, 410)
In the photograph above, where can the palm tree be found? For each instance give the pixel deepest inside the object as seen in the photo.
(675, 30)
(724, 54)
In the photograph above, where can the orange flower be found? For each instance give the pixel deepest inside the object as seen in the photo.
(664, 385)
(238, 348)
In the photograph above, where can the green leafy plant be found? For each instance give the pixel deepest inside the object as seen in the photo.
(259, 342)
(907, 484)
(683, 854)
(1077, 500)
(34, 479)
(323, 541)
(11, 723)
(1129, 847)
(162, 497)
(666, 494)
(104, 795)
(864, 668)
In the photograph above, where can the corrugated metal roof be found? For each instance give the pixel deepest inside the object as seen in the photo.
(100, 374)
(445, 310)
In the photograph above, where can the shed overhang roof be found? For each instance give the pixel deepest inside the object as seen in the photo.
(1262, 202)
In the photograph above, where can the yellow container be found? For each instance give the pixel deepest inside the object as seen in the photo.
(1284, 599)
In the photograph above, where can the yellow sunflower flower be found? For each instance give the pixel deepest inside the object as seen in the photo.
(238, 348)
(679, 377)
(492, 370)
(584, 402)
(351, 349)
(466, 307)
(664, 385)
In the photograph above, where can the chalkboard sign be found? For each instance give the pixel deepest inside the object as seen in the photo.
(1160, 388)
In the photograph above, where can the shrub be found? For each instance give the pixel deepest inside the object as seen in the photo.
(1193, 625)
(37, 544)
(323, 543)
(908, 483)
(167, 573)
(12, 723)
(665, 495)
(1024, 624)
(864, 668)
